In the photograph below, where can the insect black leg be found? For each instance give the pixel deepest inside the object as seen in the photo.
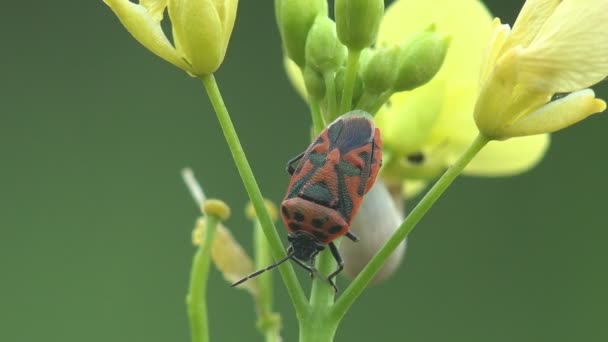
(290, 168)
(353, 237)
(310, 270)
(338, 257)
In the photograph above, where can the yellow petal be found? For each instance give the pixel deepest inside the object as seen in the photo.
(569, 53)
(407, 122)
(226, 10)
(557, 114)
(156, 8)
(227, 255)
(145, 27)
(500, 33)
(197, 27)
(530, 20)
(507, 158)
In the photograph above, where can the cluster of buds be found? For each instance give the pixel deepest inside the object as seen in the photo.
(316, 47)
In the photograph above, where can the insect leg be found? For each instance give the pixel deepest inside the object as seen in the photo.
(313, 271)
(339, 260)
(352, 237)
(289, 167)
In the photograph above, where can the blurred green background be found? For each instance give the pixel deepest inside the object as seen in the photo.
(95, 223)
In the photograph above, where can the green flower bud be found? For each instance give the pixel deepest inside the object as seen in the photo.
(379, 72)
(295, 18)
(421, 57)
(358, 22)
(315, 84)
(324, 52)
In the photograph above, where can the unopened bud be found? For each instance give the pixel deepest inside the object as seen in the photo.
(379, 72)
(217, 208)
(358, 22)
(295, 18)
(421, 57)
(324, 52)
(315, 84)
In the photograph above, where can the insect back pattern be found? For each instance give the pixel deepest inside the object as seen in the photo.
(327, 186)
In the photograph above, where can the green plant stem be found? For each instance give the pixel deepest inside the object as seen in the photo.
(322, 294)
(317, 328)
(197, 298)
(380, 101)
(318, 122)
(330, 95)
(269, 322)
(367, 274)
(352, 66)
(292, 284)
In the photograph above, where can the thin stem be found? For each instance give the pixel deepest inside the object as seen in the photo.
(268, 322)
(195, 189)
(362, 280)
(322, 294)
(380, 101)
(330, 95)
(352, 66)
(365, 101)
(287, 272)
(318, 122)
(197, 293)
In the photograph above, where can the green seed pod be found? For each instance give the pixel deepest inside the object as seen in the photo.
(379, 72)
(295, 18)
(421, 58)
(358, 22)
(324, 52)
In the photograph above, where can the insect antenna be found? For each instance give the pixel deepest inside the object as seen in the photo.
(256, 273)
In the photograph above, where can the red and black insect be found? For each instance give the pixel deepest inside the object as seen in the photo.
(327, 186)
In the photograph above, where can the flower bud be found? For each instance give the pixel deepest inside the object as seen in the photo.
(217, 208)
(421, 57)
(379, 73)
(295, 18)
(314, 82)
(375, 222)
(201, 31)
(358, 22)
(324, 52)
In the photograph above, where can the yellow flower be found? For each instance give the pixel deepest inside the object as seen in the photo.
(201, 30)
(436, 119)
(555, 47)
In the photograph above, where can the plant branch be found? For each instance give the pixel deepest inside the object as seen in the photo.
(278, 251)
(363, 279)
